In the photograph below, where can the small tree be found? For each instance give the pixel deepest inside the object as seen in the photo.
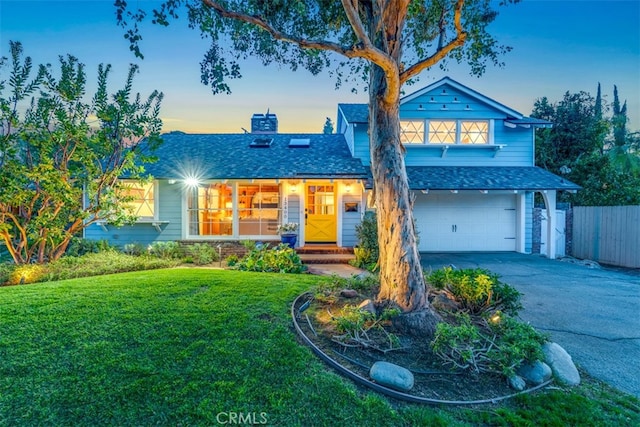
(328, 126)
(61, 156)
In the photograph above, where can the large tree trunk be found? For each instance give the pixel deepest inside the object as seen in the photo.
(402, 283)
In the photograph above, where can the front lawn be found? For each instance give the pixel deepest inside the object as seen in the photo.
(205, 347)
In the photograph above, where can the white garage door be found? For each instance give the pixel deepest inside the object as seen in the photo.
(466, 222)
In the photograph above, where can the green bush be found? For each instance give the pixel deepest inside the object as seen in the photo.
(281, 259)
(5, 272)
(134, 249)
(232, 260)
(476, 290)
(367, 250)
(80, 246)
(203, 253)
(499, 345)
(166, 250)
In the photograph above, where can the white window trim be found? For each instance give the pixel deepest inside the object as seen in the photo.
(425, 134)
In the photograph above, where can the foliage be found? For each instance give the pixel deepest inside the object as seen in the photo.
(232, 260)
(55, 148)
(590, 149)
(500, 345)
(281, 259)
(203, 253)
(477, 291)
(361, 328)
(80, 246)
(366, 250)
(91, 264)
(388, 43)
(139, 346)
(134, 249)
(288, 228)
(165, 250)
(328, 127)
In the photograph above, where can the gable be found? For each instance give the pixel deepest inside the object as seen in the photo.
(448, 98)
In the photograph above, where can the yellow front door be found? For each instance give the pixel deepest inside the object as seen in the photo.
(320, 213)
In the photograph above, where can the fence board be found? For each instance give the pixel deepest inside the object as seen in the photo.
(607, 234)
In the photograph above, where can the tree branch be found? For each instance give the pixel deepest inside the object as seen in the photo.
(440, 54)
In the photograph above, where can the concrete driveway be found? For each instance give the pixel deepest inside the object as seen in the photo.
(593, 313)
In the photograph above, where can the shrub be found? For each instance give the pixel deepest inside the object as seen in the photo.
(166, 250)
(79, 246)
(203, 253)
(362, 328)
(134, 249)
(499, 346)
(5, 272)
(281, 259)
(367, 251)
(232, 260)
(476, 290)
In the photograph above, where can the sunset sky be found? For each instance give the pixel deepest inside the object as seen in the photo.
(558, 46)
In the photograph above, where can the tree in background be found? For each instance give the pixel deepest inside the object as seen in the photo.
(592, 150)
(388, 42)
(328, 127)
(61, 157)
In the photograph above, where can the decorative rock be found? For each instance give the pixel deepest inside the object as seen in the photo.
(517, 383)
(348, 293)
(561, 364)
(392, 376)
(535, 373)
(367, 305)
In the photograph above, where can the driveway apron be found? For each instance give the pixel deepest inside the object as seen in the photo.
(593, 313)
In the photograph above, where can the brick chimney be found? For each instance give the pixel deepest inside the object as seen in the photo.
(264, 123)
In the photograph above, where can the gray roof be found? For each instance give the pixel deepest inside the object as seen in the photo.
(229, 156)
(355, 113)
(485, 178)
(530, 121)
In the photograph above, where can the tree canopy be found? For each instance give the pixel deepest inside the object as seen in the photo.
(386, 43)
(61, 155)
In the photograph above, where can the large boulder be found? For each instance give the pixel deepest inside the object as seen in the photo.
(561, 364)
(392, 376)
(535, 373)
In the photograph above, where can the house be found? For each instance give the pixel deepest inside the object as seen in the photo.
(470, 163)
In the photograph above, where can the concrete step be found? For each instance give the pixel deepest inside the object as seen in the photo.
(324, 258)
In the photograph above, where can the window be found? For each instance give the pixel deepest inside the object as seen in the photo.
(445, 131)
(210, 210)
(474, 132)
(442, 132)
(142, 199)
(259, 209)
(412, 131)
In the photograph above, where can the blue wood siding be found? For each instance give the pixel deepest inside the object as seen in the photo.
(361, 144)
(169, 206)
(350, 220)
(293, 209)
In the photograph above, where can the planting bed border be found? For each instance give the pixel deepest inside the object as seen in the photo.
(297, 308)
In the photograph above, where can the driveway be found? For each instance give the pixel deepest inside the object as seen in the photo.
(593, 313)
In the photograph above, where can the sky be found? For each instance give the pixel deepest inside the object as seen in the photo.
(558, 46)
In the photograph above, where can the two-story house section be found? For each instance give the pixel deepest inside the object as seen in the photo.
(471, 165)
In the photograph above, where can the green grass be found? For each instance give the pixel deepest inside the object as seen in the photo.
(190, 346)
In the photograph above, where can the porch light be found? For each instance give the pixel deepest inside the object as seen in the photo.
(294, 188)
(347, 188)
(191, 181)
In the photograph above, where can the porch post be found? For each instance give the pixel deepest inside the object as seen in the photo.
(549, 197)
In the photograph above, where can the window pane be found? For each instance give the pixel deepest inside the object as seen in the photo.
(258, 209)
(143, 203)
(411, 131)
(474, 132)
(442, 132)
(210, 210)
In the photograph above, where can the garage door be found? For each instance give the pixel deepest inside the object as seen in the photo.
(466, 222)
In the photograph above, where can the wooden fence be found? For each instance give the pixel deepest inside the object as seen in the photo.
(607, 234)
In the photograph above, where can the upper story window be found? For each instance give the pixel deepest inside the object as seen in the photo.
(142, 199)
(445, 131)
